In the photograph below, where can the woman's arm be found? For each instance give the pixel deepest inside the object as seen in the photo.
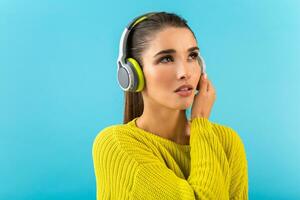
(236, 156)
(239, 169)
(128, 169)
(207, 175)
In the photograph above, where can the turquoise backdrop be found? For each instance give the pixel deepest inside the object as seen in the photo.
(58, 88)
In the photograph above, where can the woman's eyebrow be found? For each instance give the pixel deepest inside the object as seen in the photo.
(192, 49)
(173, 51)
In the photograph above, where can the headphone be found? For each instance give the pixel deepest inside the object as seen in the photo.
(129, 73)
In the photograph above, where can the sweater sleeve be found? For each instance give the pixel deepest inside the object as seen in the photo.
(239, 169)
(206, 180)
(114, 168)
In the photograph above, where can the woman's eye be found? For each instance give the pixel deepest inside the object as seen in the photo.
(166, 59)
(194, 55)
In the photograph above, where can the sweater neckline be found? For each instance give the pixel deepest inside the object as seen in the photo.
(132, 123)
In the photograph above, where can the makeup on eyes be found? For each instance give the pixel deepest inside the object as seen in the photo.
(194, 54)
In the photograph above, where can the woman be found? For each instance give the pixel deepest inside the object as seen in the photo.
(158, 153)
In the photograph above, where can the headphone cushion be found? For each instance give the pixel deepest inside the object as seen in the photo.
(139, 73)
(202, 64)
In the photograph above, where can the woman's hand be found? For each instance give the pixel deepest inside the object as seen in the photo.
(204, 100)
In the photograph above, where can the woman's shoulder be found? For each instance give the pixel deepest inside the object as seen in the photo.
(111, 132)
(122, 140)
(228, 136)
(112, 141)
(113, 161)
(223, 129)
(122, 135)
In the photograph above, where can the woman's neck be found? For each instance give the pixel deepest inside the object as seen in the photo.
(169, 124)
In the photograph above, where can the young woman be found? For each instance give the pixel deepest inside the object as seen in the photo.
(158, 153)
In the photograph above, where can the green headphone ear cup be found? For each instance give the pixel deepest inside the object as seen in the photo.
(140, 75)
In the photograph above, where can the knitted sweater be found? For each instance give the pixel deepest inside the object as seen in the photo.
(131, 163)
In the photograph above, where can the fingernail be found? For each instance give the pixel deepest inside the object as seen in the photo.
(205, 76)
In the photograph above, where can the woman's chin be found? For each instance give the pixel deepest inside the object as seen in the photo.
(184, 106)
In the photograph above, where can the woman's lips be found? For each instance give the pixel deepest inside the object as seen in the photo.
(185, 86)
(185, 93)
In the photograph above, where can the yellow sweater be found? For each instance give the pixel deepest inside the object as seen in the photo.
(131, 163)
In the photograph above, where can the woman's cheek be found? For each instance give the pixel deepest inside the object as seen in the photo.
(164, 82)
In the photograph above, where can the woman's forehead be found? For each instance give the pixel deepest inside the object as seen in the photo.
(173, 38)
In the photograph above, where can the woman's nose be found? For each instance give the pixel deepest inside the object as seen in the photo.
(184, 71)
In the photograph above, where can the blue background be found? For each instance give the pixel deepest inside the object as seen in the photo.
(58, 88)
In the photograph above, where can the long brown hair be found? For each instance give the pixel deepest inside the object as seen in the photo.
(139, 39)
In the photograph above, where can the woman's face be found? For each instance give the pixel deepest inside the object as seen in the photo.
(165, 72)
